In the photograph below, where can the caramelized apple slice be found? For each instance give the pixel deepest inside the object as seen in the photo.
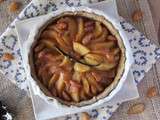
(62, 25)
(65, 62)
(81, 68)
(72, 26)
(54, 36)
(93, 82)
(101, 38)
(65, 36)
(60, 84)
(75, 95)
(87, 38)
(83, 95)
(48, 43)
(54, 91)
(110, 57)
(66, 96)
(112, 38)
(101, 51)
(85, 85)
(45, 77)
(115, 51)
(89, 23)
(75, 91)
(102, 45)
(93, 59)
(53, 79)
(39, 48)
(44, 74)
(73, 83)
(77, 76)
(106, 66)
(97, 76)
(98, 29)
(48, 34)
(60, 41)
(54, 27)
(79, 48)
(56, 59)
(111, 73)
(80, 32)
(104, 77)
(94, 90)
(55, 68)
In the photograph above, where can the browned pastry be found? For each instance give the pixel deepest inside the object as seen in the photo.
(77, 58)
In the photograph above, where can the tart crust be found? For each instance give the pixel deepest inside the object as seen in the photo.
(120, 67)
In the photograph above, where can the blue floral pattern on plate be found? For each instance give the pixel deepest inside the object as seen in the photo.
(145, 53)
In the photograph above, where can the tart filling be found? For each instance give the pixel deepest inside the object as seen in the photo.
(78, 58)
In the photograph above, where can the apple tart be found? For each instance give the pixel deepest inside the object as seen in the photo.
(78, 58)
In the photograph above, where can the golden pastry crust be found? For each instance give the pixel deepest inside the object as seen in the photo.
(86, 91)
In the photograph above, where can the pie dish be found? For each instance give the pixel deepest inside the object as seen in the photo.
(77, 58)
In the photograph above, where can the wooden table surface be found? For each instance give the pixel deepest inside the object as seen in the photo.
(149, 26)
(154, 6)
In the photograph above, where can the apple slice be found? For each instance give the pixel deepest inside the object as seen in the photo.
(51, 34)
(89, 23)
(110, 57)
(98, 29)
(48, 43)
(60, 84)
(106, 66)
(39, 48)
(93, 59)
(47, 34)
(77, 76)
(60, 41)
(79, 48)
(65, 62)
(53, 79)
(66, 96)
(54, 27)
(93, 82)
(94, 90)
(66, 37)
(73, 83)
(86, 86)
(81, 68)
(112, 38)
(45, 77)
(80, 32)
(62, 25)
(102, 45)
(115, 51)
(72, 26)
(101, 38)
(87, 38)
(54, 91)
(83, 95)
(97, 76)
(75, 95)
(75, 91)
(113, 55)
(44, 74)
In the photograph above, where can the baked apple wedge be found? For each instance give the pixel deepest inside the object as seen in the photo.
(79, 48)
